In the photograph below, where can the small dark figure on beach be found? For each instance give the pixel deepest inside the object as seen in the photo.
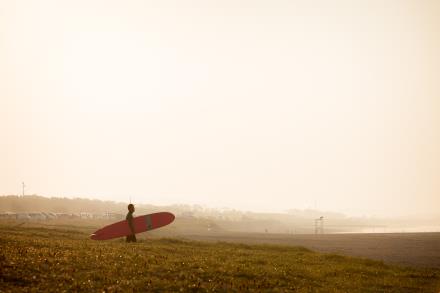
(129, 218)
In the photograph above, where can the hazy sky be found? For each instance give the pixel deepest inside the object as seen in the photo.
(256, 105)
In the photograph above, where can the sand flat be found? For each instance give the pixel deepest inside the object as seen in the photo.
(410, 249)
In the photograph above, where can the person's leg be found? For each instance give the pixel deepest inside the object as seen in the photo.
(131, 238)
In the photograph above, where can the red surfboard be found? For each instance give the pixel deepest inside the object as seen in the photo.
(141, 224)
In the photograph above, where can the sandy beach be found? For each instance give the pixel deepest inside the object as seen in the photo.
(409, 249)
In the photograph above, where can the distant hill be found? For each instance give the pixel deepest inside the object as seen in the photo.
(294, 221)
(36, 203)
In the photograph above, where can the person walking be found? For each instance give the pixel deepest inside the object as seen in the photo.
(129, 218)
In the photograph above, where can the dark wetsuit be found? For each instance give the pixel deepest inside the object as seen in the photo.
(129, 218)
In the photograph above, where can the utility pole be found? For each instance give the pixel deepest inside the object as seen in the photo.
(23, 186)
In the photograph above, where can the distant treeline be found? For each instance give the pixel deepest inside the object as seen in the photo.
(36, 203)
(293, 221)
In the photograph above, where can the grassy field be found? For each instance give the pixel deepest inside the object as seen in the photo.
(58, 259)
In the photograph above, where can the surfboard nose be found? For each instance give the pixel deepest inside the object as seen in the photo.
(169, 217)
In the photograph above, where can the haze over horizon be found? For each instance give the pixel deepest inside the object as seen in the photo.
(253, 105)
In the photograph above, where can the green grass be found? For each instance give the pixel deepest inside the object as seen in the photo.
(43, 260)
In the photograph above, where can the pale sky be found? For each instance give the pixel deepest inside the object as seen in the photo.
(255, 105)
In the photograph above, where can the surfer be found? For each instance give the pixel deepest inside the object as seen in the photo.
(129, 218)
